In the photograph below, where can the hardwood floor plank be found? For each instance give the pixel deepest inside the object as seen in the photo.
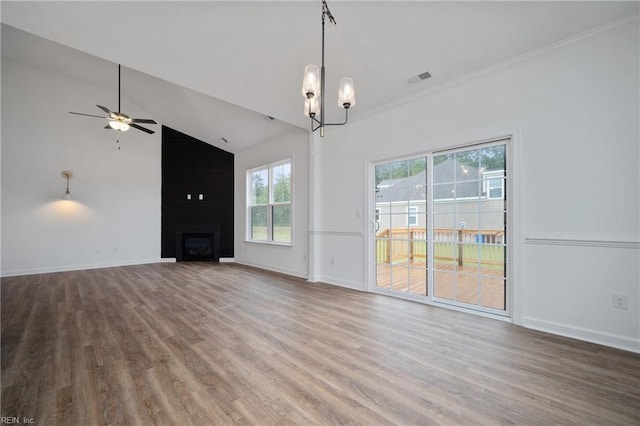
(216, 344)
(157, 399)
(192, 397)
(84, 396)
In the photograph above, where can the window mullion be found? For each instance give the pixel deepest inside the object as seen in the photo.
(270, 208)
(270, 223)
(430, 227)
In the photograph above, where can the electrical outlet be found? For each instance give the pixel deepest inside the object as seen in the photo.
(620, 301)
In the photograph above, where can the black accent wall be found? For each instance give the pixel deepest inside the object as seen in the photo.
(190, 166)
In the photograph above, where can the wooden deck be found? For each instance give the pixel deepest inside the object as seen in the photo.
(470, 285)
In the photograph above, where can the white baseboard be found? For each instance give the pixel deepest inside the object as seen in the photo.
(227, 260)
(341, 283)
(601, 338)
(66, 268)
(270, 268)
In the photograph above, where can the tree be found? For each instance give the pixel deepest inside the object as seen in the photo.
(260, 190)
(282, 189)
(490, 158)
(400, 169)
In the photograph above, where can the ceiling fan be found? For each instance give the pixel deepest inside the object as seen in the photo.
(119, 121)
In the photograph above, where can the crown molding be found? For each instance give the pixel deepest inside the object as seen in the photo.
(504, 65)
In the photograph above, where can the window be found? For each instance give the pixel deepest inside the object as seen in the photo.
(494, 185)
(269, 203)
(412, 216)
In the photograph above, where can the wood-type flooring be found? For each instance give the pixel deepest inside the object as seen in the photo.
(218, 344)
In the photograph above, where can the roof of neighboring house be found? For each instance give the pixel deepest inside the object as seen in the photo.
(468, 183)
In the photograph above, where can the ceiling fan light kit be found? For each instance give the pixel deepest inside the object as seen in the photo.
(119, 121)
(313, 87)
(119, 125)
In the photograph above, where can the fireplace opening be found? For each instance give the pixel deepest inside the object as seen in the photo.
(197, 246)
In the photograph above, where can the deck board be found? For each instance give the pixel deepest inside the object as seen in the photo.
(484, 287)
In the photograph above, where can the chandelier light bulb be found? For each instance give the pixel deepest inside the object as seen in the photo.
(311, 81)
(346, 93)
(312, 106)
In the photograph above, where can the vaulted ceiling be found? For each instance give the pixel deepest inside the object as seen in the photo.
(217, 69)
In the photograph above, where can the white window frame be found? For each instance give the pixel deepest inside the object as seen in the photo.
(412, 213)
(270, 204)
(486, 186)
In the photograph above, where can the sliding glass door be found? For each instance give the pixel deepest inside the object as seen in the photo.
(401, 226)
(441, 223)
(469, 221)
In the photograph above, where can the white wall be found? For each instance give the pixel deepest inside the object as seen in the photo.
(115, 216)
(293, 259)
(573, 111)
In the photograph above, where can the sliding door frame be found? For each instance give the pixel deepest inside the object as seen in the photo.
(514, 301)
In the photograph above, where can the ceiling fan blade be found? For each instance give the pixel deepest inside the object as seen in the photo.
(135, 126)
(105, 109)
(88, 115)
(143, 120)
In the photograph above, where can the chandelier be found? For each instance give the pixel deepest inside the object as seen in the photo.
(313, 88)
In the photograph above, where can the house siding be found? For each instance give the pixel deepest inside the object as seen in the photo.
(484, 215)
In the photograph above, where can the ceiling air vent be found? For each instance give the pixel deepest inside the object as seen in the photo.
(420, 77)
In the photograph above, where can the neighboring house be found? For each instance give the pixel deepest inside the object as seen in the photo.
(464, 198)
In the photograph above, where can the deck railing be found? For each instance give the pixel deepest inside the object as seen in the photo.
(480, 246)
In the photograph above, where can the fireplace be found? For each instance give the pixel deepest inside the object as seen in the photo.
(197, 243)
(197, 246)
